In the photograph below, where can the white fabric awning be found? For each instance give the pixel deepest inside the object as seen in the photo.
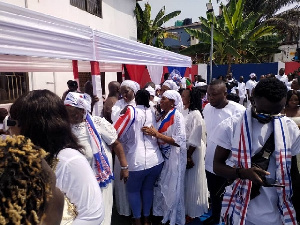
(24, 32)
(11, 63)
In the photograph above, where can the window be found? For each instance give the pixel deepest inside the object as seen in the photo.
(12, 86)
(85, 76)
(91, 6)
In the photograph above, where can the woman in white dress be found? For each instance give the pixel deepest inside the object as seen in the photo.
(168, 199)
(128, 90)
(41, 116)
(196, 192)
(97, 136)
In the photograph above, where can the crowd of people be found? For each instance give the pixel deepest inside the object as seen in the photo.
(181, 148)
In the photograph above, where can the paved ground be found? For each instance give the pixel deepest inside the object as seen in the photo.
(123, 220)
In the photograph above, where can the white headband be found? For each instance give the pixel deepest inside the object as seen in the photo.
(131, 84)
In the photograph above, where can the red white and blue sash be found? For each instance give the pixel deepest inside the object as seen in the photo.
(125, 121)
(167, 122)
(237, 197)
(101, 166)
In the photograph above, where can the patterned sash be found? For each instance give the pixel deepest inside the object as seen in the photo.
(167, 122)
(101, 166)
(237, 197)
(125, 121)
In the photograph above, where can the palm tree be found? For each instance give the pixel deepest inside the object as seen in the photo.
(268, 9)
(237, 38)
(149, 31)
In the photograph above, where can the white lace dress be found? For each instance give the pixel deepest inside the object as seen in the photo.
(196, 192)
(121, 199)
(108, 136)
(169, 193)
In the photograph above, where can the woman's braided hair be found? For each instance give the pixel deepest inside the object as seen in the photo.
(24, 185)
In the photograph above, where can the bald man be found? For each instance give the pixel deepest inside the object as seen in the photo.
(217, 110)
(113, 97)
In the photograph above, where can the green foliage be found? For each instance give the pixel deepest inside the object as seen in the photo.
(237, 37)
(149, 30)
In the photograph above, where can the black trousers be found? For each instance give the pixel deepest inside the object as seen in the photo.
(216, 187)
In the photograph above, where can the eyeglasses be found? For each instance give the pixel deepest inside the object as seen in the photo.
(268, 116)
(11, 123)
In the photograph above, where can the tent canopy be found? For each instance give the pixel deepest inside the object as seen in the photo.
(44, 39)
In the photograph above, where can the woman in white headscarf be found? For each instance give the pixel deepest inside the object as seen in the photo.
(169, 194)
(128, 90)
(168, 85)
(96, 134)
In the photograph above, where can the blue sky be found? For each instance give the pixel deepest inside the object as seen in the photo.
(189, 8)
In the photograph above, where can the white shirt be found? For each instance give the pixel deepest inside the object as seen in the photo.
(142, 151)
(242, 89)
(250, 84)
(213, 117)
(263, 209)
(282, 78)
(117, 108)
(76, 179)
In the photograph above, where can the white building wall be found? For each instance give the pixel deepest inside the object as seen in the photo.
(118, 19)
(118, 16)
(287, 53)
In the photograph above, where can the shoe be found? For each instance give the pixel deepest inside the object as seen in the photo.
(210, 221)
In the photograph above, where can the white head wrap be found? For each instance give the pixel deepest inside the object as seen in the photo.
(171, 84)
(157, 87)
(171, 94)
(150, 90)
(252, 75)
(131, 84)
(79, 100)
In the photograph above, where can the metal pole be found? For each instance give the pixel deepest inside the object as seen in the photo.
(211, 50)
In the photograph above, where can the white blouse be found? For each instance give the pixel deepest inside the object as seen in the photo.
(76, 179)
(142, 151)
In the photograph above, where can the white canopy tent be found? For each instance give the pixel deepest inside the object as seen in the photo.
(24, 32)
(35, 42)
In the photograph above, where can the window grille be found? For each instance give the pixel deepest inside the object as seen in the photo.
(12, 86)
(91, 6)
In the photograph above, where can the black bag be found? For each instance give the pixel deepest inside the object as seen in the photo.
(261, 160)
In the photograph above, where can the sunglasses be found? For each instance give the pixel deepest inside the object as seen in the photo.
(11, 123)
(268, 116)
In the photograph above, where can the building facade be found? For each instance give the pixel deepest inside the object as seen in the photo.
(111, 16)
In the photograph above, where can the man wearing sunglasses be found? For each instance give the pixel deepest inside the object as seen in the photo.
(261, 193)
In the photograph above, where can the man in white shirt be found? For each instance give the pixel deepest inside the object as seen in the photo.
(241, 138)
(217, 110)
(241, 90)
(250, 84)
(281, 76)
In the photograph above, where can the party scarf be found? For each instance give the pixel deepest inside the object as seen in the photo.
(237, 197)
(167, 122)
(100, 163)
(125, 121)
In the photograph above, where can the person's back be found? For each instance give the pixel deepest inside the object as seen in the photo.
(112, 98)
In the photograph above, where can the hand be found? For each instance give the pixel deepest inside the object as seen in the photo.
(150, 131)
(124, 175)
(190, 163)
(254, 174)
